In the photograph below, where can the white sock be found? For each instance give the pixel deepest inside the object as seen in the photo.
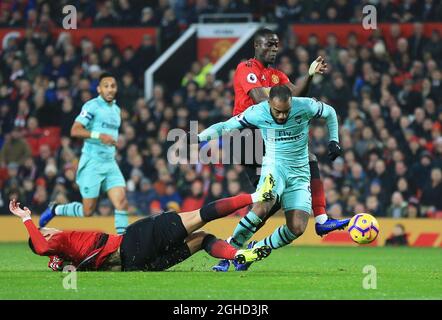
(321, 219)
(255, 197)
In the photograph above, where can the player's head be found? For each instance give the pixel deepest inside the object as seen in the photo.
(280, 100)
(31, 245)
(107, 86)
(266, 43)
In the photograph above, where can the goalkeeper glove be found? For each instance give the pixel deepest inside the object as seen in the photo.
(334, 150)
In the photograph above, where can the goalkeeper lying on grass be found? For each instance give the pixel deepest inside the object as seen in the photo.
(151, 244)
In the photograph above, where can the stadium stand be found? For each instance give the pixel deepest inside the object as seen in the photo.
(387, 93)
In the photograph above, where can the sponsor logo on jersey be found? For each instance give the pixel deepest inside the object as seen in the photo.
(291, 138)
(109, 126)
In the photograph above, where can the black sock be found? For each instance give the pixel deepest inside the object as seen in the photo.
(208, 241)
(314, 170)
(224, 207)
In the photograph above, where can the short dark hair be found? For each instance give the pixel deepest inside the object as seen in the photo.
(283, 93)
(105, 75)
(31, 245)
(261, 33)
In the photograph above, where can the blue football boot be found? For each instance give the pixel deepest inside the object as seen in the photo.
(47, 215)
(222, 266)
(330, 225)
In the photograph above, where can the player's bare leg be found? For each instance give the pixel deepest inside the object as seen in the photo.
(89, 206)
(117, 196)
(251, 223)
(194, 241)
(193, 220)
(215, 247)
(246, 228)
(218, 248)
(296, 223)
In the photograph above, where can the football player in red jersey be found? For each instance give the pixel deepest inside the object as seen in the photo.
(154, 243)
(252, 82)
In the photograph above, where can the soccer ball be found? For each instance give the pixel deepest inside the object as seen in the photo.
(363, 228)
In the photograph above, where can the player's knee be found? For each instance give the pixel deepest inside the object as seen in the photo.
(297, 228)
(88, 211)
(195, 240)
(312, 157)
(198, 234)
(121, 204)
(262, 208)
(89, 208)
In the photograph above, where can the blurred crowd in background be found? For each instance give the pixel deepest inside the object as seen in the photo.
(172, 16)
(108, 13)
(387, 93)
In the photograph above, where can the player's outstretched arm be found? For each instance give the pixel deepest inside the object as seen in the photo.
(259, 94)
(40, 244)
(248, 119)
(329, 113)
(218, 129)
(319, 66)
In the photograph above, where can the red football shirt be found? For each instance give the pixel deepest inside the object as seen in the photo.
(252, 74)
(72, 246)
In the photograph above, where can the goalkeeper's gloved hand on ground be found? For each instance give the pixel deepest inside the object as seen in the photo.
(334, 150)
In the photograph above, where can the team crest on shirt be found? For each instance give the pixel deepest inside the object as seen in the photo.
(275, 79)
(252, 78)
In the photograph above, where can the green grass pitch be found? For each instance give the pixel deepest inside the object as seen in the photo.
(289, 273)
